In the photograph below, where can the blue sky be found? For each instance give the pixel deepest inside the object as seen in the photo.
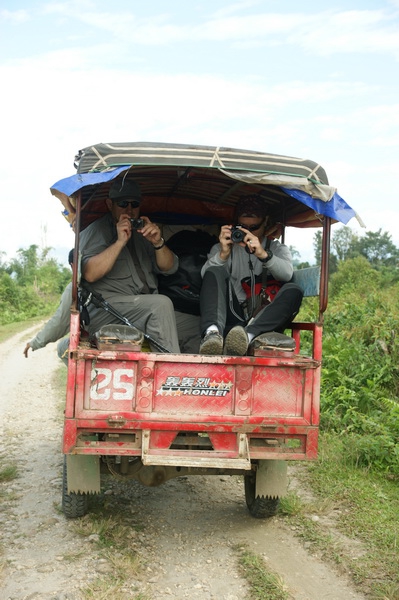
(317, 80)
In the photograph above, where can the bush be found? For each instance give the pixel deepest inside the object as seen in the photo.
(31, 286)
(359, 394)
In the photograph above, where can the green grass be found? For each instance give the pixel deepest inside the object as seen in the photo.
(8, 473)
(263, 583)
(60, 377)
(111, 532)
(103, 589)
(291, 505)
(7, 331)
(365, 509)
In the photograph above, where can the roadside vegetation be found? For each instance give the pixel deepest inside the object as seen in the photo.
(355, 481)
(352, 517)
(349, 516)
(11, 329)
(30, 285)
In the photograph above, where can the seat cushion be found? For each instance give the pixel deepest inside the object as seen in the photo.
(118, 337)
(273, 340)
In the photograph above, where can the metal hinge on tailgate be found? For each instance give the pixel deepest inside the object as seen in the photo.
(196, 458)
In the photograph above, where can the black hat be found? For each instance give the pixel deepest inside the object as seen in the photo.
(124, 188)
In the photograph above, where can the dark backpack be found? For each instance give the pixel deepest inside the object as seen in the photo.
(184, 286)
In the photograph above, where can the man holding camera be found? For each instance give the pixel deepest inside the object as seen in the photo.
(122, 255)
(245, 289)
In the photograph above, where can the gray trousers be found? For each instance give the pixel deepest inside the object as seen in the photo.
(188, 330)
(62, 349)
(151, 313)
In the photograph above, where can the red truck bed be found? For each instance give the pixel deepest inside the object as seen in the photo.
(252, 407)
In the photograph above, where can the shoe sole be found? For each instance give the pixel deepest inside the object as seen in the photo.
(212, 346)
(236, 343)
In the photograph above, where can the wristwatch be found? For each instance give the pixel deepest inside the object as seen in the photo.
(162, 244)
(269, 255)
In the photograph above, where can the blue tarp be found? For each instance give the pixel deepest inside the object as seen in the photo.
(336, 208)
(70, 185)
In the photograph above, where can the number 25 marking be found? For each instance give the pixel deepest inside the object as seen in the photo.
(105, 381)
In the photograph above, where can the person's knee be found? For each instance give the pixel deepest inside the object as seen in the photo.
(291, 286)
(213, 281)
(297, 294)
(218, 273)
(164, 303)
(63, 349)
(288, 300)
(291, 290)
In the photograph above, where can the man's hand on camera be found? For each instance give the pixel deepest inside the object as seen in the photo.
(151, 232)
(124, 229)
(225, 241)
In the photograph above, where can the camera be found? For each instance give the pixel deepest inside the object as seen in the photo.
(237, 235)
(137, 223)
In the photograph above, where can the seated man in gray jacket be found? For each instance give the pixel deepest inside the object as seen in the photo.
(238, 267)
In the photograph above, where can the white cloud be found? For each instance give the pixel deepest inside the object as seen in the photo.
(349, 38)
(321, 33)
(51, 95)
(15, 16)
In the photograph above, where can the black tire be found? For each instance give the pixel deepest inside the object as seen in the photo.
(260, 507)
(74, 505)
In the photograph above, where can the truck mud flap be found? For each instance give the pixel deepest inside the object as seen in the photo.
(271, 478)
(194, 458)
(83, 474)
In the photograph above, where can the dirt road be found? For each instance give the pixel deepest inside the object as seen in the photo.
(189, 526)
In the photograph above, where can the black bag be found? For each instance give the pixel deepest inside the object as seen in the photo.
(184, 286)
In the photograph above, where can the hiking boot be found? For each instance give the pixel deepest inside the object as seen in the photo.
(236, 343)
(211, 343)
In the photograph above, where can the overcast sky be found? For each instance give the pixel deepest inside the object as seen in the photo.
(311, 79)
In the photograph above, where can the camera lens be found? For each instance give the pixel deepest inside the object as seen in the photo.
(237, 235)
(137, 223)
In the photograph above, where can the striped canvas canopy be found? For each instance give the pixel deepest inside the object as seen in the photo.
(187, 184)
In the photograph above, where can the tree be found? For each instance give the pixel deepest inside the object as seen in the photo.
(355, 275)
(317, 238)
(317, 245)
(344, 242)
(3, 265)
(30, 284)
(296, 257)
(378, 248)
(375, 246)
(24, 267)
